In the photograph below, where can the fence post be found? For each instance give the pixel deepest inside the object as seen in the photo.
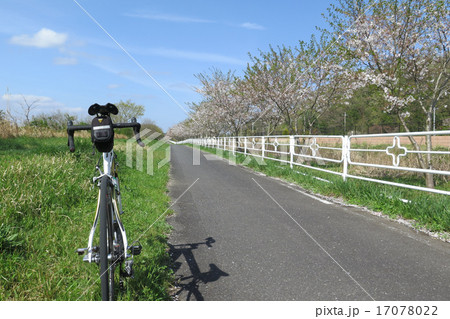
(291, 150)
(245, 145)
(345, 155)
(263, 146)
(234, 145)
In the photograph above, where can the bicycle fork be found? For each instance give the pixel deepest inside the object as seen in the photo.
(121, 247)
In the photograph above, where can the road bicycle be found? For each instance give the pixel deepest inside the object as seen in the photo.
(110, 249)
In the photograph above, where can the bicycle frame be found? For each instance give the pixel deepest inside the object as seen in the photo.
(109, 170)
(112, 249)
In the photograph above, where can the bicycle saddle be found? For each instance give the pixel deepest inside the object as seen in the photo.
(103, 109)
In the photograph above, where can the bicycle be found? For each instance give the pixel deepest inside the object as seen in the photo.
(112, 249)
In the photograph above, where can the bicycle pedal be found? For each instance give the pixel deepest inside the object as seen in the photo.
(81, 251)
(136, 250)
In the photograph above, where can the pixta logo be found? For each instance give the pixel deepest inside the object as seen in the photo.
(153, 144)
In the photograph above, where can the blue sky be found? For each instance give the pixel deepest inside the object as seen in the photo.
(51, 51)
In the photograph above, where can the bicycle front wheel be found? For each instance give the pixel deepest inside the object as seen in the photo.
(106, 241)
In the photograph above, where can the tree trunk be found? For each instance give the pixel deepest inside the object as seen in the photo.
(310, 127)
(428, 177)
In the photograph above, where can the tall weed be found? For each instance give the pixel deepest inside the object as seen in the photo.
(46, 211)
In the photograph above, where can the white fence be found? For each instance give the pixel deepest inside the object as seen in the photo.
(364, 157)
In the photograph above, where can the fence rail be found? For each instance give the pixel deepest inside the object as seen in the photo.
(347, 156)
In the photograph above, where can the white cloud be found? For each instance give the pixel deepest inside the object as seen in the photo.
(168, 17)
(252, 26)
(65, 61)
(182, 87)
(44, 104)
(113, 86)
(28, 97)
(41, 102)
(45, 38)
(73, 110)
(129, 75)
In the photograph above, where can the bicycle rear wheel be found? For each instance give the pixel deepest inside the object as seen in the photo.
(106, 241)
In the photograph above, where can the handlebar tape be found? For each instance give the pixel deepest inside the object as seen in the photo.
(70, 134)
(137, 131)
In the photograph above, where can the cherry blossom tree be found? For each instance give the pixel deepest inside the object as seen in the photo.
(207, 119)
(222, 93)
(277, 83)
(325, 78)
(181, 131)
(397, 48)
(402, 47)
(302, 82)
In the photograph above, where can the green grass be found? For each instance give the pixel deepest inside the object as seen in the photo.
(46, 211)
(431, 211)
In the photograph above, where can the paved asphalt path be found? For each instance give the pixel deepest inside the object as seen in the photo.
(239, 235)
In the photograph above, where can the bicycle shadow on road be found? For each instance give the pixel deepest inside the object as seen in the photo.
(191, 283)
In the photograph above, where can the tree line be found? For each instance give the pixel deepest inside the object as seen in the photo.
(57, 120)
(380, 66)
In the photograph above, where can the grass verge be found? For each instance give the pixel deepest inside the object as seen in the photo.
(46, 211)
(430, 211)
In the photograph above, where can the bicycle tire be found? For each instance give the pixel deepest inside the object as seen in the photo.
(110, 240)
(106, 245)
